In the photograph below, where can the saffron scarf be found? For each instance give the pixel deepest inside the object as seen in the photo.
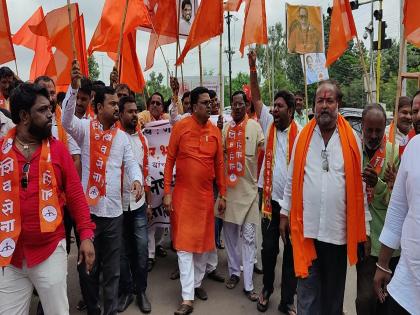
(303, 248)
(270, 159)
(50, 215)
(235, 151)
(377, 162)
(62, 135)
(410, 135)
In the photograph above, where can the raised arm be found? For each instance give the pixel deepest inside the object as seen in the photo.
(255, 89)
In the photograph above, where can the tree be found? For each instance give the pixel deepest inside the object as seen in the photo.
(93, 68)
(154, 84)
(237, 84)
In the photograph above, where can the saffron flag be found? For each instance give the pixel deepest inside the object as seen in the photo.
(163, 15)
(39, 44)
(208, 23)
(6, 45)
(342, 30)
(255, 24)
(412, 21)
(55, 26)
(232, 5)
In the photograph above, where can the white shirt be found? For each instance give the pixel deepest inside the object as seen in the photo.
(72, 145)
(280, 163)
(5, 125)
(109, 205)
(129, 200)
(402, 227)
(324, 193)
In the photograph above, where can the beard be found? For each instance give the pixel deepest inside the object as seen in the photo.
(40, 132)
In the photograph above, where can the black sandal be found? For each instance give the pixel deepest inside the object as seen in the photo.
(266, 297)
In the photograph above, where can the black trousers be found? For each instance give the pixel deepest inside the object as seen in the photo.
(107, 244)
(269, 252)
(322, 292)
(367, 302)
(69, 224)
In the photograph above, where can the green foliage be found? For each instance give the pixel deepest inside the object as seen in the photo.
(155, 84)
(237, 83)
(93, 68)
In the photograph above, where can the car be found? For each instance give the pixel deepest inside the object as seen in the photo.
(354, 117)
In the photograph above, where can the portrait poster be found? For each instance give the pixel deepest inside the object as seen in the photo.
(315, 67)
(158, 134)
(304, 29)
(210, 82)
(187, 13)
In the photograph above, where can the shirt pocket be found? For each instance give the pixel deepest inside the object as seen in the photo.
(250, 146)
(208, 145)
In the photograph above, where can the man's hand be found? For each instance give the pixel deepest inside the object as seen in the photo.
(137, 189)
(220, 122)
(369, 176)
(167, 203)
(252, 59)
(390, 175)
(284, 227)
(174, 86)
(380, 281)
(76, 75)
(222, 206)
(87, 254)
(114, 78)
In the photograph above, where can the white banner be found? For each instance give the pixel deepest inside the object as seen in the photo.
(158, 134)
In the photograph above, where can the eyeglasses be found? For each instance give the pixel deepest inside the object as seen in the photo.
(325, 164)
(25, 175)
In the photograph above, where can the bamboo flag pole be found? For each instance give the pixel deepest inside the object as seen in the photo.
(267, 60)
(120, 40)
(177, 39)
(222, 99)
(365, 74)
(201, 65)
(73, 43)
(182, 71)
(306, 87)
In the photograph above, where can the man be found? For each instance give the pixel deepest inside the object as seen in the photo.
(242, 139)
(303, 36)
(196, 148)
(280, 132)
(84, 99)
(38, 175)
(215, 104)
(324, 196)
(105, 150)
(300, 117)
(401, 230)
(404, 123)
(5, 123)
(186, 104)
(122, 89)
(185, 21)
(6, 84)
(378, 162)
(154, 110)
(134, 249)
(416, 112)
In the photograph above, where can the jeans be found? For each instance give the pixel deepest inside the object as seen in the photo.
(134, 252)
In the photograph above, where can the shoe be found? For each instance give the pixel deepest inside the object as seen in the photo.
(265, 296)
(81, 306)
(175, 274)
(258, 271)
(124, 301)
(201, 293)
(214, 275)
(160, 251)
(232, 282)
(251, 295)
(144, 304)
(150, 264)
(184, 309)
(288, 309)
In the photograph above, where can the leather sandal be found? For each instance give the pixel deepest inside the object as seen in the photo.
(251, 295)
(265, 295)
(184, 309)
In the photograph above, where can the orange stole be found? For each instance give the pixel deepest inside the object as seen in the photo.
(377, 162)
(303, 248)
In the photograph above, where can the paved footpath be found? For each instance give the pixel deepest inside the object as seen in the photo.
(164, 293)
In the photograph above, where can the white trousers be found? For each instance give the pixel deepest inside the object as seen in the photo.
(212, 261)
(49, 279)
(192, 268)
(155, 235)
(241, 250)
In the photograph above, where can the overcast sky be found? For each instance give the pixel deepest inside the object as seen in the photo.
(21, 10)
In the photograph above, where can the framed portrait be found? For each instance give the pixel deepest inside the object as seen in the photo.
(304, 29)
(315, 67)
(187, 10)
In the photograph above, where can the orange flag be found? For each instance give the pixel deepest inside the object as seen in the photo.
(208, 23)
(232, 5)
(6, 45)
(108, 31)
(39, 44)
(255, 24)
(342, 30)
(412, 21)
(130, 69)
(55, 26)
(164, 29)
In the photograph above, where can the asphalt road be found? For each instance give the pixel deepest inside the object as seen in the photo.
(164, 293)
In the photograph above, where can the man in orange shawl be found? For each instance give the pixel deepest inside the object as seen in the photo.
(196, 148)
(325, 198)
(404, 123)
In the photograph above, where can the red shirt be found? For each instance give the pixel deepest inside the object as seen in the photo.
(32, 245)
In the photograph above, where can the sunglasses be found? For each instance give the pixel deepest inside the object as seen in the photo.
(25, 175)
(325, 164)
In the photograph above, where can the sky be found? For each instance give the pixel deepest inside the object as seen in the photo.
(21, 10)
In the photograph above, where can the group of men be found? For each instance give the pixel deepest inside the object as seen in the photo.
(330, 195)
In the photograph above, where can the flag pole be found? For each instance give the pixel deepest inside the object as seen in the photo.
(306, 87)
(365, 74)
(73, 43)
(182, 71)
(222, 99)
(120, 40)
(267, 60)
(201, 65)
(379, 57)
(177, 38)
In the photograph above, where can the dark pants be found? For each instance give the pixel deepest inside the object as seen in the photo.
(322, 292)
(394, 308)
(269, 252)
(69, 224)
(134, 252)
(218, 225)
(367, 302)
(107, 250)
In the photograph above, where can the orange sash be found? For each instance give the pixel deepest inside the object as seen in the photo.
(377, 162)
(62, 135)
(270, 162)
(303, 248)
(3, 102)
(235, 151)
(391, 135)
(410, 135)
(50, 216)
(100, 148)
(90, 113)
